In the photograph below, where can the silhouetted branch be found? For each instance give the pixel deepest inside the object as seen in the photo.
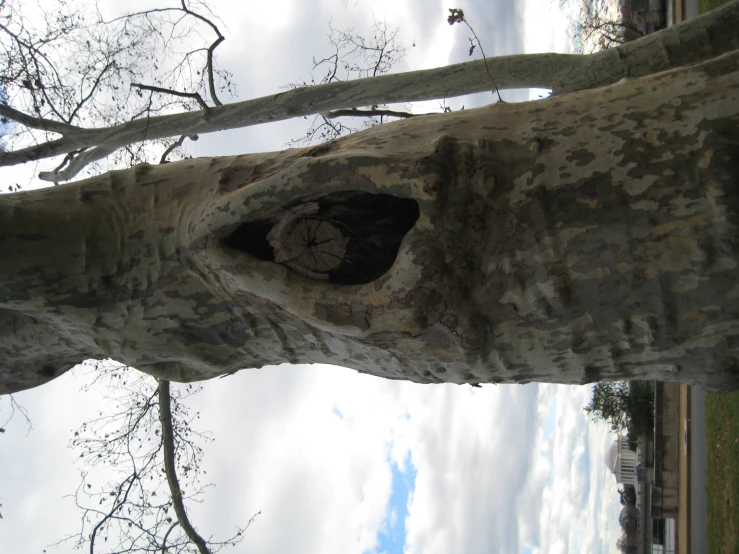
(144, 440)
(457, 16)
(36, 122)
(355, 112)
(174, 145)
(74, 67)
(15, 408)
(194, 95)
(165, 417)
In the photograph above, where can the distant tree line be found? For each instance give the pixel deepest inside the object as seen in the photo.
(627, 406)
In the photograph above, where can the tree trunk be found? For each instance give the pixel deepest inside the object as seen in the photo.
(699, 39)
(586, 237)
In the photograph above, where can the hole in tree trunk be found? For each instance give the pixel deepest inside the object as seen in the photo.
(349, 238)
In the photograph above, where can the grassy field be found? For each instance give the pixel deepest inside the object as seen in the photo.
(722, 443)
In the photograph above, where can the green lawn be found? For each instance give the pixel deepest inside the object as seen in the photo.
(722, 444)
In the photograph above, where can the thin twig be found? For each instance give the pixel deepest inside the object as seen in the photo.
(15, 407)
(131, 480)
(194, 95)
(211, 49)
(177, 143)
(457, 16)
(164, 540)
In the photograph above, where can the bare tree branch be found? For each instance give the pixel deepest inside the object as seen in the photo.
(355, 112)
(175, 145)
(36, 122)
(457, 16)
(77, 162)
(15, 408)
(193, 95)
(353, 56)
(559, 72)
(166, 535)
(211, 81)
(73, 66)
(121, 500)
(211, 49)
(165, 416)
(145, 438)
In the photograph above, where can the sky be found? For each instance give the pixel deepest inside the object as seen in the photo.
(335, 460)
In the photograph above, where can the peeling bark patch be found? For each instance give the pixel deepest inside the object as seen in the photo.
(87, 195)
(320, 150)
(233, 177)
(581, 157)
(183, 191)
(343, 315)
(347, 238)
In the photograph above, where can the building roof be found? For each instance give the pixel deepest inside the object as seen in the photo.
(611, 456)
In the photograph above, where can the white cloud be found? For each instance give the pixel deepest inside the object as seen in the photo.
(579, 496)
(472, 452)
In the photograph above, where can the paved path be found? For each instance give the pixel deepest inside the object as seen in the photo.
(683, 515)
(698, 497)
(697, 439)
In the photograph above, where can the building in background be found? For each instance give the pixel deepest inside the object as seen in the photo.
(651, 468)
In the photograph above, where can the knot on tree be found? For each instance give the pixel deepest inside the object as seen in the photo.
(307, 243)
(345, 237)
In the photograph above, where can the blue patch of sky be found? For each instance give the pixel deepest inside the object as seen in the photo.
(527, 550)
(391, 538)
(337, 413)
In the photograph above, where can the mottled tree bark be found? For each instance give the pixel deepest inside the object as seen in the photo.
(585, 237)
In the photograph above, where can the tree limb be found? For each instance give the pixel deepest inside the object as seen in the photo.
(166, 535)
(36, 122)
(211, 79)
(209, 64)
(679, 45)
(174, 145)
(194, 95)
(353, 112)
(165, 415)
(211, 49)
(77, 164)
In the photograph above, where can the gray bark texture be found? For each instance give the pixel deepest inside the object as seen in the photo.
(589, 236)
(692, 41)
